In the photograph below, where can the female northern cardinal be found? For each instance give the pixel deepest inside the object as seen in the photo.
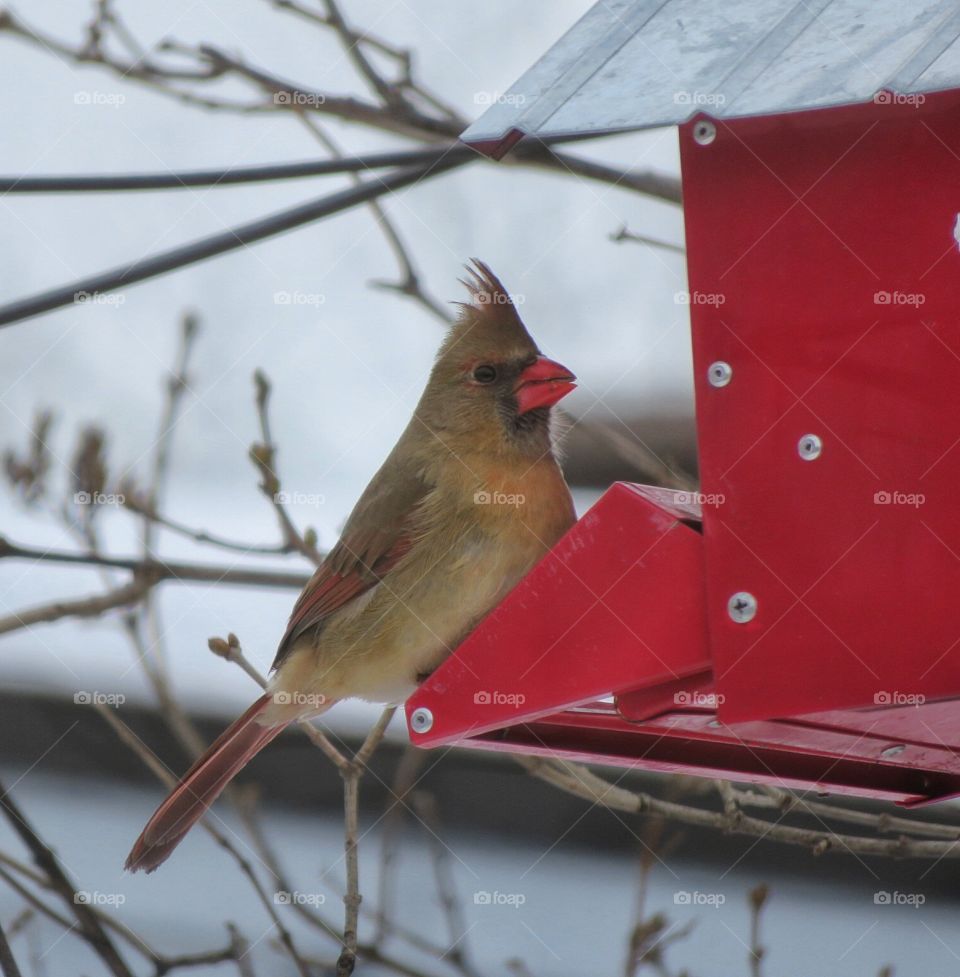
(470, 498)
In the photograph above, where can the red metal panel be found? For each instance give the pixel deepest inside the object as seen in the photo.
(934, 724)
(824, 268)
(617, 604)
(787, 754)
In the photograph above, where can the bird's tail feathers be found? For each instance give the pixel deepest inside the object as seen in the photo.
(201, 785)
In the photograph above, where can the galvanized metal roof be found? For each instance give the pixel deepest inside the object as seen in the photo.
(632, 64)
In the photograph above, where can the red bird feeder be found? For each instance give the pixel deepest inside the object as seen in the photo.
(801, 627)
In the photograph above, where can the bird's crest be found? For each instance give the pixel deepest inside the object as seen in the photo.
(489, 321)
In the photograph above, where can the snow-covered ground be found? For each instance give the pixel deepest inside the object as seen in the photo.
(562, 910)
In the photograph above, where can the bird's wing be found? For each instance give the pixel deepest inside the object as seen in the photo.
(376, 536)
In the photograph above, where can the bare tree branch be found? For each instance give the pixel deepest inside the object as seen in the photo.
(395, 114)
(229, 240)
(351, 799)
(159, 570)
(578, 780)
(167, 180)
(263, 455)
(86, 918)
(410, 282)
(83, 607)
(8, 964)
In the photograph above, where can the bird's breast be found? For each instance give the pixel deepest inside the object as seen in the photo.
(411, 621)
(459, 568)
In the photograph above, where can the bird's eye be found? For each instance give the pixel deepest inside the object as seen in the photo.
(485, 373)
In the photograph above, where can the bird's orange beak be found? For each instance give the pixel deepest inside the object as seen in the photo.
(542, 384)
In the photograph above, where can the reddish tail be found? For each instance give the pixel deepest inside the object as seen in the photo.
(200, 786)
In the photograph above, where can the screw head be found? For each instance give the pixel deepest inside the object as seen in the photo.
(421, 720)
(893, 750)
(742, 607)
(719, 373)
(809, 447)
(704, 132)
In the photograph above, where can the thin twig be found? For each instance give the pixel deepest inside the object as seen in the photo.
(150, 651)
(201, 536)
(626, 235)
(8, 964)
(351, 792)
(457, 952)
(410, 283)
(404, 779)
(758, 899)
(264, 456)
(45, 859)
(389, 94)
(230, 649)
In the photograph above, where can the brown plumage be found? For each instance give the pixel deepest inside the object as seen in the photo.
(469, 499)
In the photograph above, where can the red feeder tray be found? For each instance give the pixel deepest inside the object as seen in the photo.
(807, 632)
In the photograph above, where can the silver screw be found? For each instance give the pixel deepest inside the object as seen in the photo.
(421, 720)
(809, 447)
(893, 750)
(742, 607)
(719, 374)
(704, 132)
